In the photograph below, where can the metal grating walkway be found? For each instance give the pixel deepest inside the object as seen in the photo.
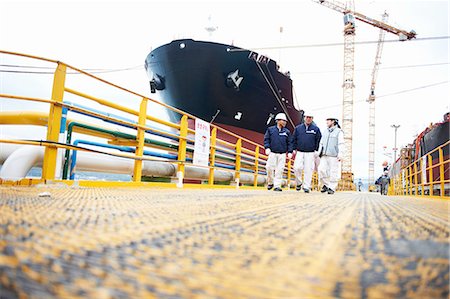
(165, 243)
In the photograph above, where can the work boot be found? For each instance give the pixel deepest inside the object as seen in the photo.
(306, 190)
(299, 187)
(277, 189)
(330, 191)
(269, 187)
(324, 189)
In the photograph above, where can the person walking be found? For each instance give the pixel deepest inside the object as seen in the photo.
(305, 141)
(277, 144)
(331, 151)
(384, 182)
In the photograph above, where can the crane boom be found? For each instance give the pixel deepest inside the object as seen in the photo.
(345, 9)
(349, 51)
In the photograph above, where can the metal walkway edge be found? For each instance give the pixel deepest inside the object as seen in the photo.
(191, 243)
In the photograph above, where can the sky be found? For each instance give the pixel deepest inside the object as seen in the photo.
(412, 83)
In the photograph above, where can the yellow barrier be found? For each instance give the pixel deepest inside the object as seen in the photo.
(427, 176)
(234, 155)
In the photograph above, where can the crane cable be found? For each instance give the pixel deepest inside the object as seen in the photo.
(337, 44)
(386, 95)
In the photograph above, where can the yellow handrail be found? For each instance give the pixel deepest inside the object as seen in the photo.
(416, 179)
(234, 155)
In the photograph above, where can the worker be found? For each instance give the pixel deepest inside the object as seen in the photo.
(305, 141)
(359, 185)
(277, 144)
(384, 182)
(331, 151)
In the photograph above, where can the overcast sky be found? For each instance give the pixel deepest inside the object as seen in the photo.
(119, 34)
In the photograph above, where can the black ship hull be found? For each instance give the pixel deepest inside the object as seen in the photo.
(236, 89)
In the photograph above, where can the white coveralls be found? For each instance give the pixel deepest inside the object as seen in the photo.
(275, 166)
(332, 148)
(330, 172)
(304, 162)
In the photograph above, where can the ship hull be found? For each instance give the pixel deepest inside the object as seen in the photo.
(234, 88)
(423, 147)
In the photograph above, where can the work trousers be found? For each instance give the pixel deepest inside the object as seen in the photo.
(275, 166)
(304, 162)
(329, 172)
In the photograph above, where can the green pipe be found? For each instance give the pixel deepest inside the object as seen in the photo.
(109, 132)
(123, 136)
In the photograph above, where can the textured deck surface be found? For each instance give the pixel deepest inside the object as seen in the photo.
(133, 243)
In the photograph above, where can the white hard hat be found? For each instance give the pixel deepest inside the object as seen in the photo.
(332, 118)
(308, 113)
(281, 116)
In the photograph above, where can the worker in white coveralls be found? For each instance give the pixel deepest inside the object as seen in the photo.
(277, 142)
(331, 151)
(305, 141)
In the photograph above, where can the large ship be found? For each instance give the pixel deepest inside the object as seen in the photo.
(234, 88)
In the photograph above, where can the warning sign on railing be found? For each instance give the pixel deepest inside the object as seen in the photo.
(201, 146)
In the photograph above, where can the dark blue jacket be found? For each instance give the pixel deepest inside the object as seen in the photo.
(278, 140)
(306, 140)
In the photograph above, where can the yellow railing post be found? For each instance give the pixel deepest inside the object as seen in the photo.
(415, 178)
(255, 178)
(422, 181)
(289, 174)
(182, 144)
(316, 180)
(54, 123)
(430, 176)
(212, 156)
(238, 159)
(441, 171)
(409, 180)
(137, 173)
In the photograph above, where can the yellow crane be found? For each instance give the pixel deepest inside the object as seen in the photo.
(347, 9)
(371, 101)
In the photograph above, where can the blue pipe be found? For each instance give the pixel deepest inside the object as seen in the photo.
(62, 128)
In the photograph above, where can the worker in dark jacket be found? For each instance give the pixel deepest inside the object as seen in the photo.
(384, 182)
(305, 141)
(277, 144)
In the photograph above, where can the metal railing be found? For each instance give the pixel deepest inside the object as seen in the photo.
(427, 176)
(176, 139)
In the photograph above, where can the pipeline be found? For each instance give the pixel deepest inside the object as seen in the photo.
(132, 149)
(40, 119)
(120, 148)
(110, 115)
(115, 134)
(24, 158)
(158, 144)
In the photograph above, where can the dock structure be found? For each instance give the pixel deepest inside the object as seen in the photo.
(73, 242)
(187, 227)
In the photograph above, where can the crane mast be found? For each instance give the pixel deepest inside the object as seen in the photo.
(371, 101)
(348, 87)
(350, 15)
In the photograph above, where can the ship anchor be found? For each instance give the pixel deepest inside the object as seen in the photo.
(234, 80)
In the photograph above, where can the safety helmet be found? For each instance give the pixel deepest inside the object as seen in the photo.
(281, 116)
(333, 118)
(310, 113)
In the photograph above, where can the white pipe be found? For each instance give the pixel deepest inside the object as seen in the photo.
(22, 158)
(6, 149)
(19, 162)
